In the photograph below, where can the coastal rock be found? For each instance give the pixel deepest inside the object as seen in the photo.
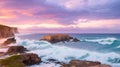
(79, 63)
(30, 59)
(9, 41)
(54, 61)
(22, 60)
(75, 40)
(6, 31)
(16, 49)
(1, 54)
(54, 38)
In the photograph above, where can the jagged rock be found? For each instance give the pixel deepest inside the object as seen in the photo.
(9, 41)
(79, 63)
(22, 60)
(54, 38)
(16, 49)
(6, 31)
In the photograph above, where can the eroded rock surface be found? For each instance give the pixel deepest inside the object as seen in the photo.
(6, 31)
(16, 49)
(54, 38)
(9, 41)
(22, 60)
(79, 63)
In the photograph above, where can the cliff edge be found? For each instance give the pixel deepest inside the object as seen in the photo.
(6, 31)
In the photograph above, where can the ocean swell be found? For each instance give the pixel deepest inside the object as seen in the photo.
(102, 41)
(47, 51)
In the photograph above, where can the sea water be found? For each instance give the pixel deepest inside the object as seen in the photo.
(93, 47)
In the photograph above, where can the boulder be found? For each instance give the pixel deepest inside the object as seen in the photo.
(30, 59)
(54, 38)
(9, 41)
(22, 60)
(16, 49)
(6, 31)
(79, 63)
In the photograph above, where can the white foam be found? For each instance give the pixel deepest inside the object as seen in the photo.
(103, 41)
(118, 46)
(65, 54)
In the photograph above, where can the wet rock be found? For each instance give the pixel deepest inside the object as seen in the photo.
(9, 41)
(16, 49)
(54, 61)
(6, 31)
(79, 63)
(75, 40)
(54, 38)
(30, 59)
(22, 60)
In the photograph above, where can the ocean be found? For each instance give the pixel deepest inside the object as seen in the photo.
(93, 47)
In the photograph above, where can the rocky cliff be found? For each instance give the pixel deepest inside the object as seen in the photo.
(6, 31)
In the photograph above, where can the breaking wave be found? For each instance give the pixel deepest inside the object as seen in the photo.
(102, 41)
(46, 51)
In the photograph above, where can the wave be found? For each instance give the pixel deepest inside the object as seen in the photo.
(118, 46)
(47, 51)
(102, 41)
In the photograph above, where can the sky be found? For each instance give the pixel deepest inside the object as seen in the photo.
(61, 16)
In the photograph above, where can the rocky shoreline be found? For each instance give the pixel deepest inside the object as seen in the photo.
(18, 56)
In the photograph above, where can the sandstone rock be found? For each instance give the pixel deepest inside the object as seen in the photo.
(9, 41)
(6, 31)
(54, 38)
(78, 63)
(22, 60)
(16, 49)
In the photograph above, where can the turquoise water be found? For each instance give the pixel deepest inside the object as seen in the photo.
(95, 47)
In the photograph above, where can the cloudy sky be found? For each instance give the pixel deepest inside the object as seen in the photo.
(61, 16)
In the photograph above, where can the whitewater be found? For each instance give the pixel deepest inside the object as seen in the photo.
(91, 47)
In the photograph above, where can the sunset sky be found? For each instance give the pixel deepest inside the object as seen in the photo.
(61, 16)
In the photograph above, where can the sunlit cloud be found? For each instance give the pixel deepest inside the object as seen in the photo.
(61, 15)
(84, 23)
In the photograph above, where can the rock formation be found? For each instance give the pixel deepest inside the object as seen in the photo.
(16, 49)
(9, 41)
(54, 38)
(30, 59)
(22, 60)
(79, 63)
(6, 31)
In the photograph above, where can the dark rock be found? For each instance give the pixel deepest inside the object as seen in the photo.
(30, 59)
(22, 60)
(75, 40)
(16, 49)
(54, 61)
(9, 41)
(6, 31)
(54, 38)
(78, 63)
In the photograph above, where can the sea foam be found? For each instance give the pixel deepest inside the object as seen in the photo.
(46, 51)
(103, 41)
